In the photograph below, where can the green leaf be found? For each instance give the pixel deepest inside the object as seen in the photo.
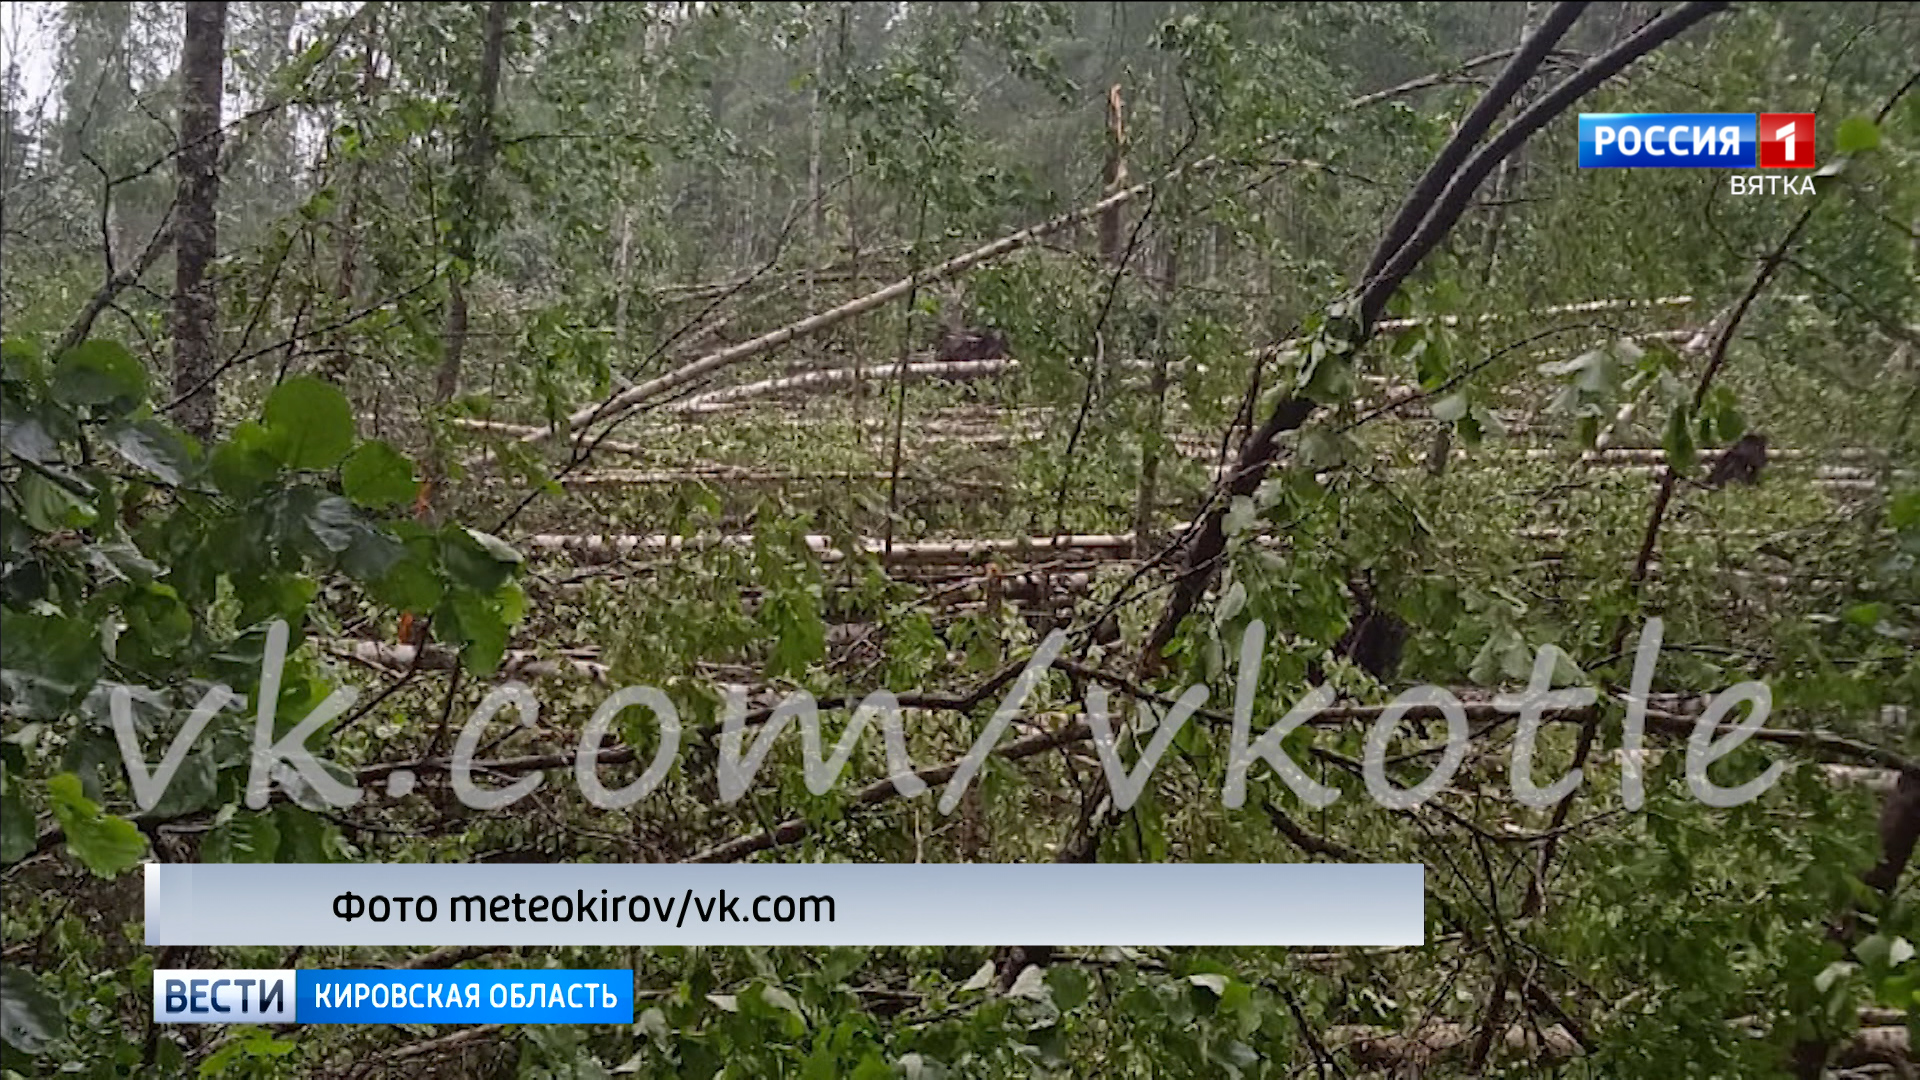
(157, 620)
(249, 458)
(50, 506)
(193, 788)
(476, 559)
(1328, 378)
(275, 596)
(48, 660)
(800, 635)
(1241, 515)
(25, 435)
(378, 476)
(778, 998)
(156, 447)
(315, 420)
(1323, 449)
(372, 555)
(100, 374)
(1070, 986)
(104, 844)
(305, 837)
(1721, 419)
(334, 523)
(30, 1018)
(19, 360)
(247, 837)
(409, 584)
(1565, 671)
(1450, 408)
(1867, 615)
(1834, 974)
(1679, 443)
(475, 623)
(249, 1044)
(17, 829)
(1903, 510)
(1857, 133)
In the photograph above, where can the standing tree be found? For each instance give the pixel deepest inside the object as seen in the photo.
(195, 306)
(470, 178)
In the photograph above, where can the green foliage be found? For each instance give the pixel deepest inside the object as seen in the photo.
(104, 844)
(377, 477)
(152, 580)
(30, 1018)
(308, 423)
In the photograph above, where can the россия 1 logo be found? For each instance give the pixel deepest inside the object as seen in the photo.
(1703, 141)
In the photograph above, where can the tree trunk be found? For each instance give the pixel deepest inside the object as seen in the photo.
(1148, 492)
(816, 201)
(1506, 177)
(622, 280)
(1113, 221)
(195, 305)
(345, 281)
(476, 155)
(470, 176)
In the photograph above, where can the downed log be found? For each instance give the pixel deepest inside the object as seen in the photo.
(1877, 1046)
(943, 370)
(608, 548)
(1441, 1040)
(1584, 307)
(615, 478)
(519, 663)
(1653, 455)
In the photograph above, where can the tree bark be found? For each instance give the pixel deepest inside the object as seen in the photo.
(816, 200)
(1113, 220)
(1147, 494)
(476, 156)
(337, 365)
(470, 177)
(196, 314)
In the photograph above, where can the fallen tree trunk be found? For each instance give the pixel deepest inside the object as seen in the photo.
(1372, 1048)
(518, 664)
(614, 478)
(607, 548)
(942, 370)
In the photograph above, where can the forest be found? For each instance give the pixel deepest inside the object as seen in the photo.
(740, 350)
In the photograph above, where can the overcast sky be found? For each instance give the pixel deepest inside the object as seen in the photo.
(26, 43)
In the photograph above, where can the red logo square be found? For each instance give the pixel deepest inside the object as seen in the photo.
(1786, 140)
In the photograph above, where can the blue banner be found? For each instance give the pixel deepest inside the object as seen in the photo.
(1668, 140)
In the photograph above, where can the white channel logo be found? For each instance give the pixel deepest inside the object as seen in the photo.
(223, 996)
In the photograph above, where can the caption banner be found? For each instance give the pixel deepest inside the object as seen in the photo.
(978, 904)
